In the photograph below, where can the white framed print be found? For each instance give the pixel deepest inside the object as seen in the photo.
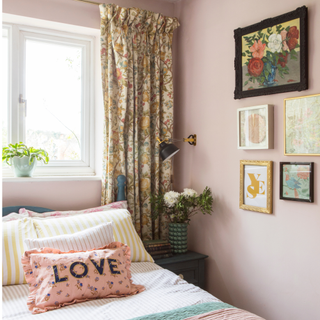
(255, 127)
(256, 186)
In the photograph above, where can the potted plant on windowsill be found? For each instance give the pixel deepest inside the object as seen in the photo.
(179, 208)
(23, 159)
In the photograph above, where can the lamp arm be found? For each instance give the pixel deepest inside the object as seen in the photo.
(165, 140)
(192, 140)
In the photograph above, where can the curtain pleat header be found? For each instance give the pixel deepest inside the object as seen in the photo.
(135, 18)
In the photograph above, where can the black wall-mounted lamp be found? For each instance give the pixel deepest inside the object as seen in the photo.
(168, 149)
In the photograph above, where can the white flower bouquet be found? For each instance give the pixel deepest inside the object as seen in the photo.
(180, 207)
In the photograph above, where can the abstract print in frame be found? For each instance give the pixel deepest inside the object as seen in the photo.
(302, 126)
(296, 181)
(255, 127)
(272, 55)
(256, 186)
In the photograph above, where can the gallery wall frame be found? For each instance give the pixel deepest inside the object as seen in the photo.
(255, 127)
(301, 126)
(296, 181)
(272, 56)
(256, 186)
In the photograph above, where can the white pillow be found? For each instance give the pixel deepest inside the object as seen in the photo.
(92, 238)
(14, 216)
(123, 229)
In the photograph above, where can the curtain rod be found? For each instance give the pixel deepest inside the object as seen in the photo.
(87, 1)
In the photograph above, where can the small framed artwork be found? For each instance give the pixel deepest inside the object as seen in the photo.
(296, 181)
(256, 186)
(272, 55)
(255, 127)
(302, 126)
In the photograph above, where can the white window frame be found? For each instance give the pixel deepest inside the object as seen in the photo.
(18, 34)
(9, 93)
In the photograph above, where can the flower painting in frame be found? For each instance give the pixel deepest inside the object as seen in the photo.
(296, 181)
(271, 56)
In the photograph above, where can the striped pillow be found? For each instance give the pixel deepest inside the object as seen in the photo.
(13, 235)
(88, 239)
(123, 229)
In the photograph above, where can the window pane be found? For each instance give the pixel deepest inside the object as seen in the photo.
(53, 93)
(5, 87)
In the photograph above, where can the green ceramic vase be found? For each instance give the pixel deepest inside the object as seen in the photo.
(22, 168)
(178, 237)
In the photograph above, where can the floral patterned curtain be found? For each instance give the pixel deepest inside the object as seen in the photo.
(136, 58)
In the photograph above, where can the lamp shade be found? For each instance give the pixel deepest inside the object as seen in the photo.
(167, 150)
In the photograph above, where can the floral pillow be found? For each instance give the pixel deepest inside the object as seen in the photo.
(13, 216)
(57, 278)
(57, 214)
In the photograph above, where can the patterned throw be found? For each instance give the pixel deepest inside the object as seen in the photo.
(203, 311)
(226, 314)
(137, 80)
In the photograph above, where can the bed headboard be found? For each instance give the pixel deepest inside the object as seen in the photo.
(120, 197)
(7, 210)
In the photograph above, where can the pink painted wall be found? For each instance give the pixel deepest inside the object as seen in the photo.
(80, 194)
(267, 264)
(56, 195)
(77, 13)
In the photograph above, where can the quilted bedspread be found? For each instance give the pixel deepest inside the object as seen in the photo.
(165, 293)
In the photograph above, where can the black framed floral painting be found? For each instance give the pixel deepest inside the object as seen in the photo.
(272, 55)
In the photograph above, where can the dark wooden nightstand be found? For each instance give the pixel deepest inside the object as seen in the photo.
(190, 265)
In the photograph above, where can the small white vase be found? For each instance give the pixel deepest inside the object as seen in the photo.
(22, 168)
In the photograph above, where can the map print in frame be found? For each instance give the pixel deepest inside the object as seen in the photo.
(296, 181)
(302, 126)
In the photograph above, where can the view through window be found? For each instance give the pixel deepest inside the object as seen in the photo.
(47, 99)
(54, 98)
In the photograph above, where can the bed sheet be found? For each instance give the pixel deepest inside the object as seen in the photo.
(164, 291)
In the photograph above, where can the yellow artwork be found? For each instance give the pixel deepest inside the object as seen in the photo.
(256, 186)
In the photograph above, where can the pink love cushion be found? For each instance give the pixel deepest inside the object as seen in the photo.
(57, 278)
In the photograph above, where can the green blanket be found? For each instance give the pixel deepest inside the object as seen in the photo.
(186, 312)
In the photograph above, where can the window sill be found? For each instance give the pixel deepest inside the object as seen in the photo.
(50, 178)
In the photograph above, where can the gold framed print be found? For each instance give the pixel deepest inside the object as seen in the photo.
(301, 126)
(256, 186)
